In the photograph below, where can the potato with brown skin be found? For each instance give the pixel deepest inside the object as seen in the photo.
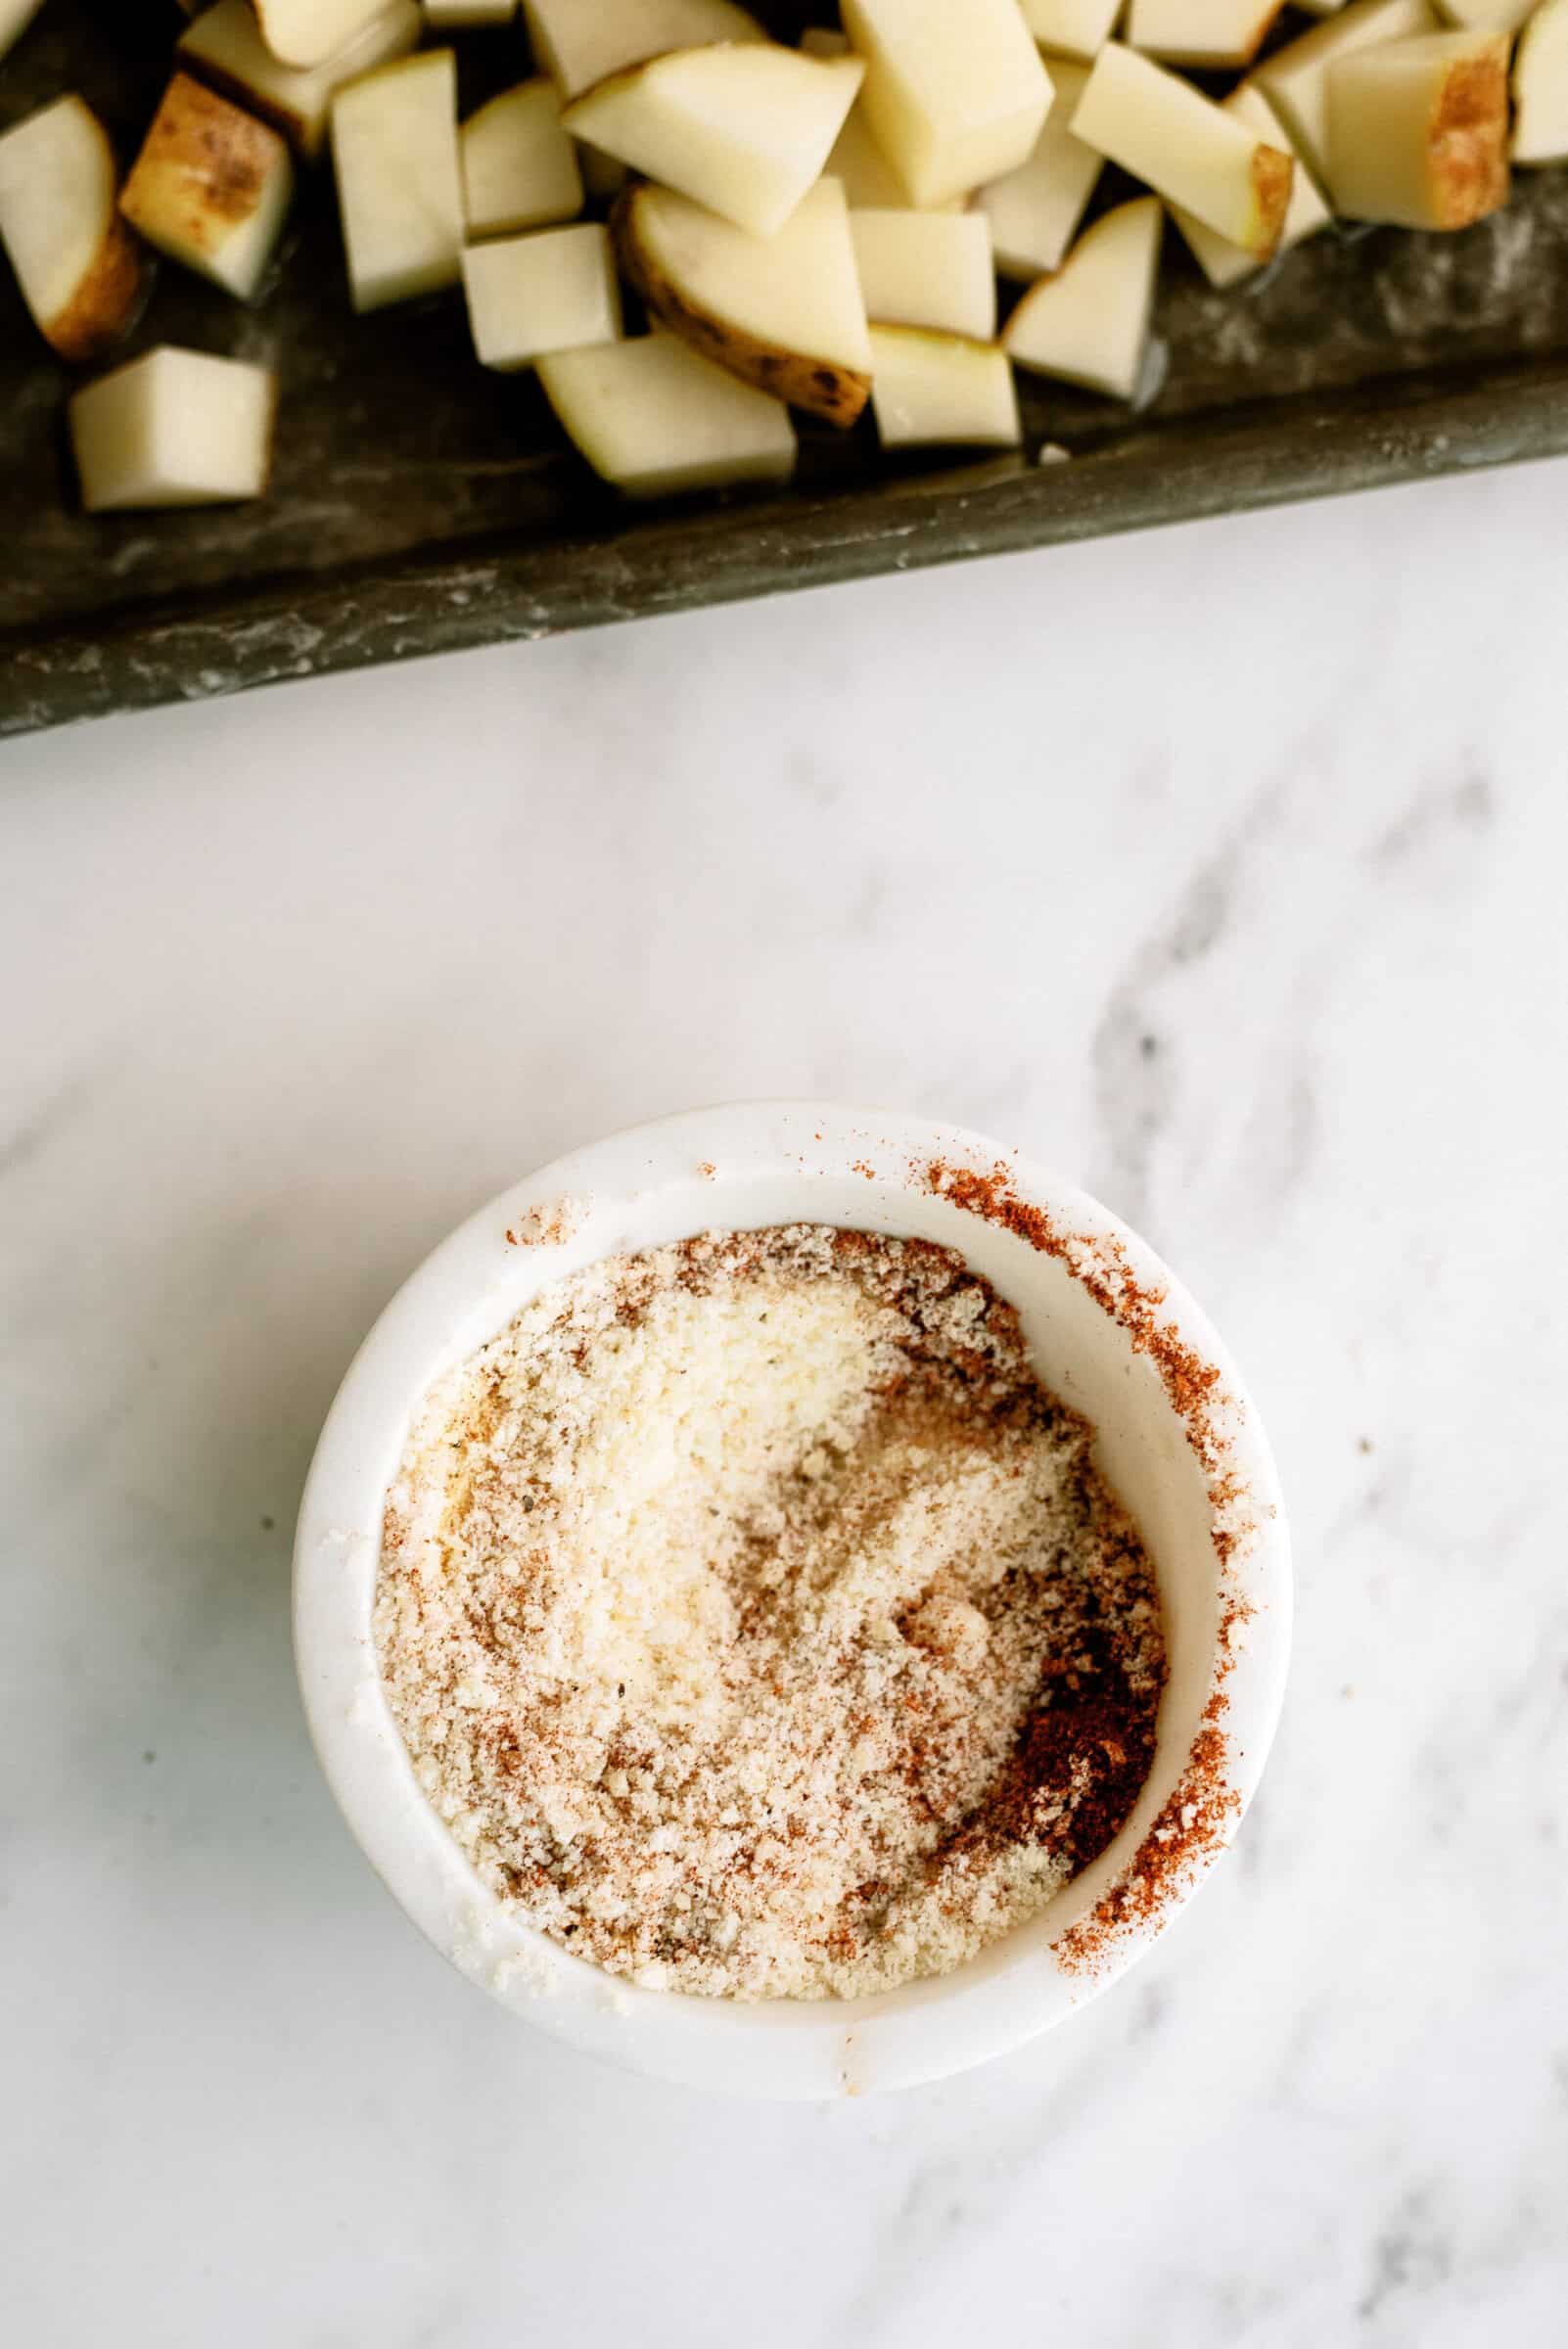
(1418, 131)
(82, 274)
(782, 312)
(211, 187)
(224, 48)
(1166, 133)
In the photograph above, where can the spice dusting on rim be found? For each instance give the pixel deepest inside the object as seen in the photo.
(1197, 1821)
(549, 1224)
(1193, 1826)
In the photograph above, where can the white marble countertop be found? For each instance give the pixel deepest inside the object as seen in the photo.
(1222, 869)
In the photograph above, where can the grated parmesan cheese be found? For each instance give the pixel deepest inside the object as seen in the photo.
(756, 1622)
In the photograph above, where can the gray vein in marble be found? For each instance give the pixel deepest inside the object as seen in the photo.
(38, 1133)
(1137, 1084)
(1465, 805)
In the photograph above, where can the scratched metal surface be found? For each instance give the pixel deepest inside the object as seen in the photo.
(419, 503)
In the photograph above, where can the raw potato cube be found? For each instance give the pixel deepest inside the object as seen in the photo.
(656, 420)
(552, 291)
(744, 128)
(1295, 79)
(399, 188)
(456, 15)
(1225, 264)
(211, 187)
(954, 96)
(520, 168)
(1201, 32)
(1089, 322)
(1418, 131)
(931, 269)
(173, 429)
(929, 391)
(1541, 87)
(15, 18)
(1162, 130)
(82, 274)
(1076, 28)
(869, 181)
(579, 42)
(1034, 211)
(782, 312)
(224, 46)
(306, 32)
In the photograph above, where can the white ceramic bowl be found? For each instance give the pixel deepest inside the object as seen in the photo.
(1111, 1332)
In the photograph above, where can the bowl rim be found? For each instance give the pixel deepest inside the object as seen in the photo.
(877, 1169)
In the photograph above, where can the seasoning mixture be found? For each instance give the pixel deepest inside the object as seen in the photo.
(757, 1621)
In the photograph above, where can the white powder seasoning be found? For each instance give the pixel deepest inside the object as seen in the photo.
(755, 1620)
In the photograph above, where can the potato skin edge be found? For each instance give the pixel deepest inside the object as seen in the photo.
(108, 300)
(820, 387)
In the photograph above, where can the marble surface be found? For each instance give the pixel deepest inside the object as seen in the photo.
(1224, 869)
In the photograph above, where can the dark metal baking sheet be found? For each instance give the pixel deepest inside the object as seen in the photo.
(420, 504)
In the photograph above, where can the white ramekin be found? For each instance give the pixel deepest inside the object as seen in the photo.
(1111, 1331)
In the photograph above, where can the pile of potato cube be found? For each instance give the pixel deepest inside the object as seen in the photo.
(810, 229)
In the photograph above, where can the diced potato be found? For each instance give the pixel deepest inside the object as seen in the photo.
(1034, 211)
(1295, 78)
(1541, 87)
(579, 42)
(744, 128)
(224, 46)
(868, 179)
(1089, 322)
(306, 32)
(783, 312)
(931, 269)
(1076, 28)
(15, 18)
(1201, 32)
(520, 168)
(1225, 264)
(400, 187)
(1165, 132)
(955, 97)
(933, 391)
(176, 427)
(554, 291)
(81, 272)
(870, 183)
(1418, 130)
(655, 418)
(211, 187)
